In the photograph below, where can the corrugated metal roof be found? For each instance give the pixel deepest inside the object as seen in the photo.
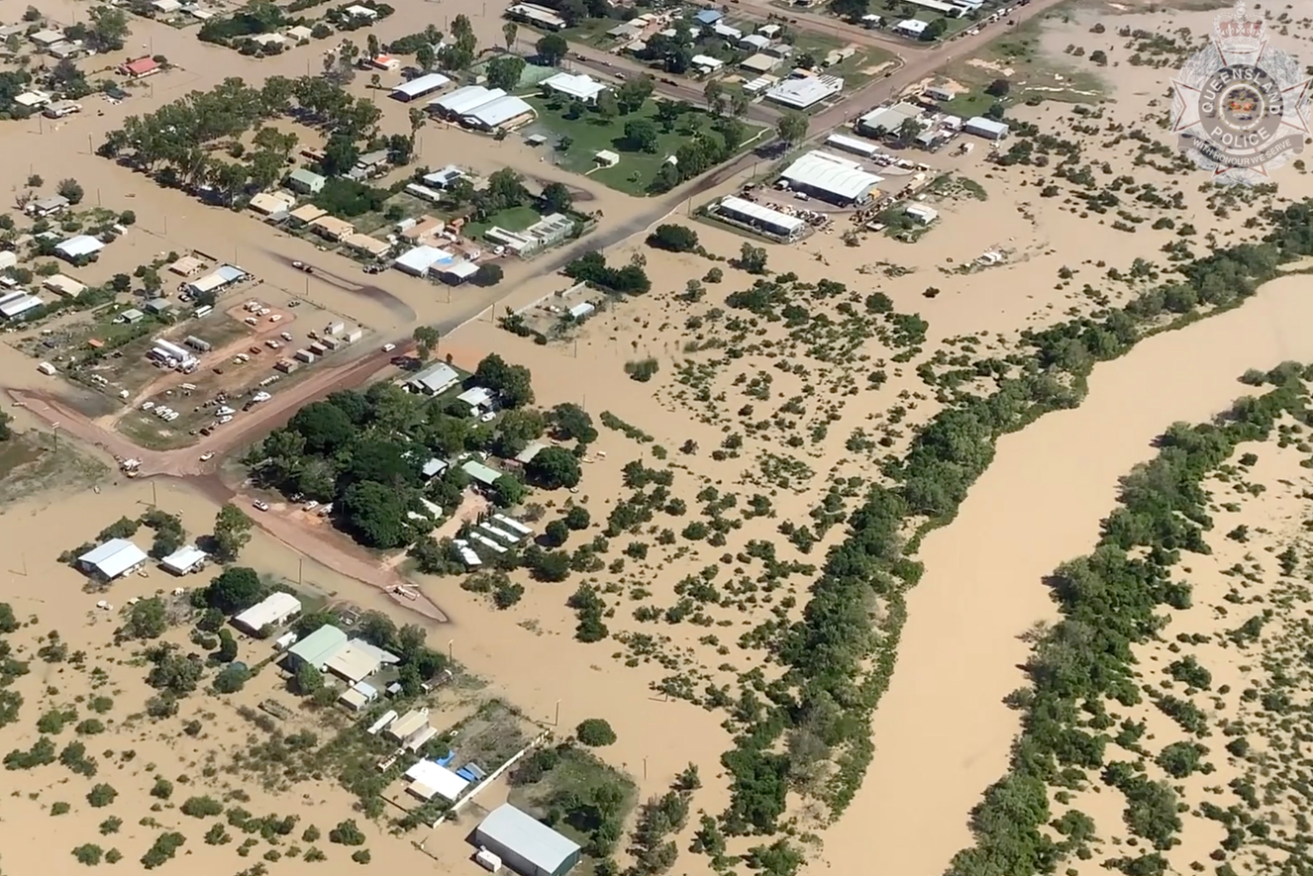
(529, 838)
(319, 646)
(114, 557)
(273, 609)
(830, 174)
(762, 214)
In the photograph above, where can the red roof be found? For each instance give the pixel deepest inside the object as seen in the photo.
(141, 66)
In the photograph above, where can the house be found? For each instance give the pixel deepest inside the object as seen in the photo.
(803, 92)
(504, 113)
(32, 99)
(480, 473)
(440, 179)
(271, 203)
(759, 63)
(435, 379)
(708, 17)
(217, 280)
(8, 259)
(479, 398)
(140, 68)
(733, 34)
(357, 660)
(420, 86)
(889, 120)
(407, 726)
(871, 21)
(299, 34)
(358, 696)
(46, 38)
(770, 31)
(525, 844)
(61, 108)
(332, 228)
(17, 303)
(268, 39)
(864, 148)
(987, 128)
(48, 206)
(187, 266)
(113, 559)
(369, 164)
(458, 272)
(754, 43)
(387, 63)
(923, 214)
(911, 27)
(936, 92)
(79, 248)
(166, 6)
(130, 316)
(358, 11)
(706, 64)
(575, 86)
(64, 286)
(370, 246)
(185, 560)
(306, 213)
(305, 182)
(433, 468)
(274, 610)
(831, 178)
(429, 779)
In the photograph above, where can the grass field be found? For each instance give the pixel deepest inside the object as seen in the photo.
(590, 134)
(34, 461)
(514, 219)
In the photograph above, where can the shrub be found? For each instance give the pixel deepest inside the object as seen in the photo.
(101, 795)
(595, 732)
(202, 807)
(89, 854)
(347, 833)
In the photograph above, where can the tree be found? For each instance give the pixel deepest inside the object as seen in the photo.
(233, 677)
(554, 467)
(998, 88)
(88, 854)
(934, 30)
(852, 10)
(227, 652)
(201, 807)
(6, 432)
(426, 56)
(101, 795)
(504, 72)
(147, 620)
(557, 198)
(607, 106)
(347, 833)
(232, 530)
(792, 127)
(751, 259)
(426, 341)
(556, 533)
(235, 589)
(507, 491)
(309, 680)
(108, 28)
(509, 31)
(571, 422)
(595, 732)
(325, 427)
(642, 134)
(633, 93)
(551, 49)
(513, 383)
(908, 131)
(375, 514)
(71, 189)
(1100, 57)
(577, 517)
(675, 238)
(488, 274)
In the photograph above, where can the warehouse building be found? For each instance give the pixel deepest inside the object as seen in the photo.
(504, 113)
(464, 100)
(887, 120)
(831, 178)
(987, 128)
(806, 91)
(525, 844)
(761, 218)
(217, 280)
(113, 559)
(863, 148)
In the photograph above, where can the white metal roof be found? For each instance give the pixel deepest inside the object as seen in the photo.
(828, 173)
(81, 245)
(579, 85)
(418, 260)
(852, 144)
(765, 215)
(356, 661)
(409, 724)
(980, 123)
(498, 112)
(911, 25)
(183, 559)
(114, 557)
(420, 85)
(806, 91)
(706, 61)
(273, 610)
(18, 306)
(476, 395)
(509, 828)
(436, 377)
(434, 778)
(461, 270)
(756, 40)
(467, 99)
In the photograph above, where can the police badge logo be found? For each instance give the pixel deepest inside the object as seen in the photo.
(1240, 106)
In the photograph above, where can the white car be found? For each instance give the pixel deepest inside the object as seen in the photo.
(388, 348)
(146, 406)
(260, 506)
(487, 418)
(311, 505)
(206, 457)
(261, 396)
(225, 420)
(173, 415)
(286, 336)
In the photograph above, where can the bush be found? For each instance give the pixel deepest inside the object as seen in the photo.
(347, 833)
(361, 856)
(202, 807)
(89, 854)
(595, 732)
(674, 238)
(101, 795)
(165, 847)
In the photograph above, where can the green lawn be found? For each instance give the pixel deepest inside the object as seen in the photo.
(514, 219)
(856, 70)
(590, 134)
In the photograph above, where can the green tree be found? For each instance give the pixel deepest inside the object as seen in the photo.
(674, 238)
(148, 619)
(233, 677)
(488, 274)
(347, 833)
(554, 467)
(504, 72)
(325, 426)
(426, 341)
(557, 198)
(513, 383)
(71, 189)
(577, 517)
(232, 530)
(751, 259)
(235, 589)
(507, 491)
(595, 732)
(88, 854)
(227, 652)
(375, 514)
(552, 48)
(572, 423)
(509, 32)
(642, 134)
(792, 127)
(309, 681)
(101, 795)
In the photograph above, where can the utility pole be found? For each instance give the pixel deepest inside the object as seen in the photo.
(154, 496)
(300, 571)
(451, 651)
(557, 722)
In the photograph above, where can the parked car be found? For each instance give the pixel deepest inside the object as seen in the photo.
(260, 505)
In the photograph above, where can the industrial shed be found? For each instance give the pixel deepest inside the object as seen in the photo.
(525, 844)
(113, 559)
(420, 86)
(831, 178)
(804, 92)
(504, 112)
(185, 560)
(275, 609)
(987, 128)
(772, 222)
(464, 100)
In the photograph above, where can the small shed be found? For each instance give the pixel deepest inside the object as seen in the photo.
(607, 158)
(113, 559)
(185, 560)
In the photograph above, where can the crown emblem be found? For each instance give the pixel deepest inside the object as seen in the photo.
(1235, 33)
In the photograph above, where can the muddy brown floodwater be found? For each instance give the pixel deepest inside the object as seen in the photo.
(942, 733)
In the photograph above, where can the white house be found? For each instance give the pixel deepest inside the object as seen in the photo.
(577, 86)
(113, 559)
(80, 247)
(185, 560)
(273, 610)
